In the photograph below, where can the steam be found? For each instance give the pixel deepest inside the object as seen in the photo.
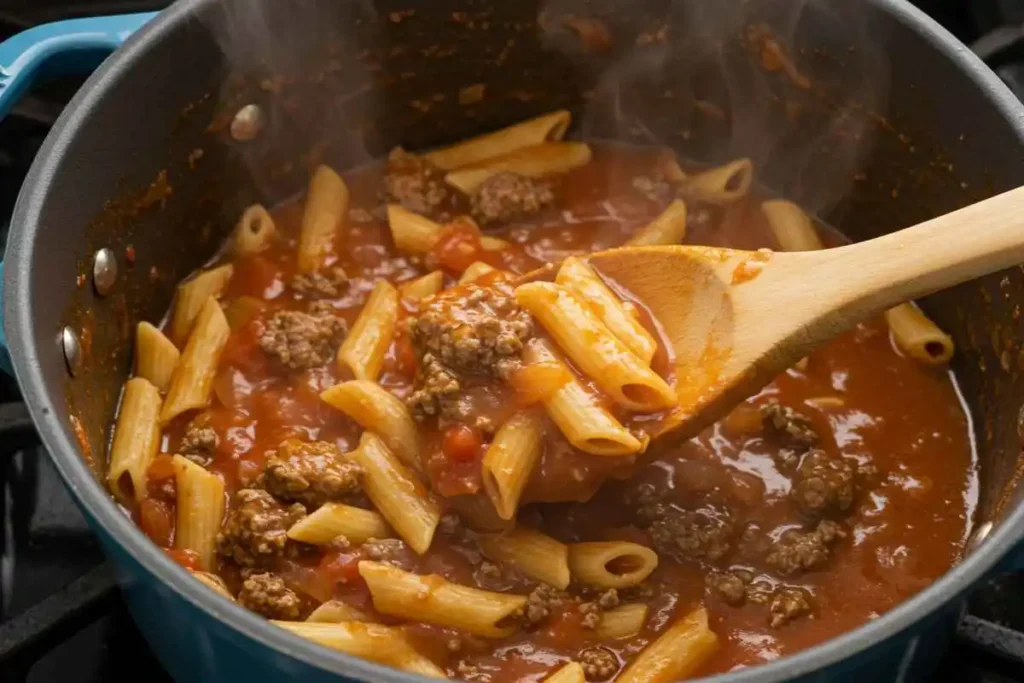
(720, 80)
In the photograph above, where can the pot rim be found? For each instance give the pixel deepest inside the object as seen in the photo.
(101, 508)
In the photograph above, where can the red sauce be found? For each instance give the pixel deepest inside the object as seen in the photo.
(866, 401)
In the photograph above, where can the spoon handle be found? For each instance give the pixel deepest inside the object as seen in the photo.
(872, 276)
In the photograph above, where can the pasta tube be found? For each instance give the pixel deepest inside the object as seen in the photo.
(156, 356)
(367, 342)
(533, 162)
(422, 287)
(200, 510)
(580, 416)
(624, 621)
(536, 555)
(570, 673)
(381, 644)
(136, 440)
(378, 410)
(545, 128)
(255, 231)
(397, 493)
(594, 349)
(326, 209)
(722, 184)
(793, 229)
(331, 520)
(434, 600)
(193, 377)
(917, 336)
(668, 228)
(510, 459)
(676, 654)
(581, 279)
(192, 296)
(475, 271)
(611, 564)
(213, 582)
(335, 612)
(411, 232)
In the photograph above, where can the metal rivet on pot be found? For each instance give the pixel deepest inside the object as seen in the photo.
(72, 350)
(248, 123)
(104, 271)
(979, 536)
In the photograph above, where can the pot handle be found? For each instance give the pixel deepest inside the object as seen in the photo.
(62, 47)
(71, 46)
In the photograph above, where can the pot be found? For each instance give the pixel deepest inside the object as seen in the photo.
(135, 166)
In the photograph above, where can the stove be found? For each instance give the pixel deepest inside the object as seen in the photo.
(61, 616)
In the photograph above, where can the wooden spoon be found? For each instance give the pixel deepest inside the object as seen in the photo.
(736, 319)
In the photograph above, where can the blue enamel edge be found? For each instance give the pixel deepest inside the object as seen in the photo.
(72, 46)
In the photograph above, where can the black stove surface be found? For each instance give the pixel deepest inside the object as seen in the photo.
(61, 617)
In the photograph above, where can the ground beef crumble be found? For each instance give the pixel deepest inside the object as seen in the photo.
(591, 611)
(266, 594)
(330, 283)
(471, 330)
(599, 663)
(800, 551)
(737, 586)
(302, 340)
(823, 485)
(390, 551)
(704, 533)
(256, 530)
(787, 604)
(507, 197)
(312, 473)
(416, 184)
(200, 441)
(791, 431)
(541, 602)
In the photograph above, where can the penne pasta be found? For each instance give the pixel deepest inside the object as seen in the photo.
(255, 231)
(668, 228)
(611, 564)
(490, 243)
(594, 349)
(793, 229)
(586, 424)
(546, 158)
(156, 356)
(326, 209)
(536, 555)
(570, 673)
(624, 621)
(136, 440)
(377, 643)
(335, 612)
(917, 336)
(378, 410)
(411, 232)
(331, 520)
(912, 331)
(510, 459)
(193, 377)
(200, 510)
(367, 342)
(722, 184)
(191, 298)
(475, 271)
(213, 582)
(676, 654)
(397, 493)
(434, 600)
(545, 128)
(578, 276)
(422, 287)
(239, 312)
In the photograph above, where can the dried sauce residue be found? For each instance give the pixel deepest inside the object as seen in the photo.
(751, 267)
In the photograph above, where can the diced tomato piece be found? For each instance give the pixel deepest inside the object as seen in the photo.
(459, 247)
(405, 357)
(157, 520)
(160, 476)
(342, 566)
(461, 443)
(189, 559)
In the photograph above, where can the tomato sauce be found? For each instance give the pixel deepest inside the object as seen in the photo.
(865, 400)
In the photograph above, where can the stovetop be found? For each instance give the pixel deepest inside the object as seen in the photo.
(61, 617)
